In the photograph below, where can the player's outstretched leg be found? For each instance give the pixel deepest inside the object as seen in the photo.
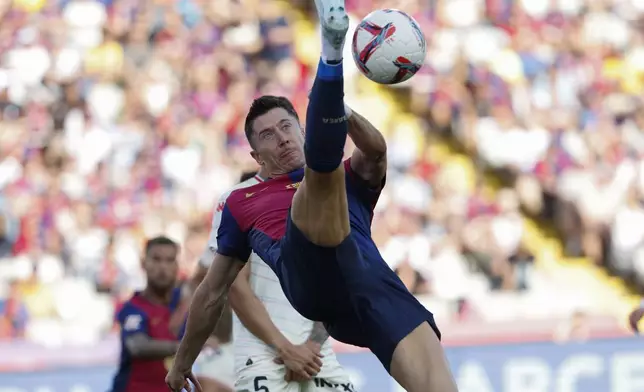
(419, 363)
(320, 207)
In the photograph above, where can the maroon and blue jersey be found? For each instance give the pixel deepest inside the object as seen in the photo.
(254, 218)
(141, 316)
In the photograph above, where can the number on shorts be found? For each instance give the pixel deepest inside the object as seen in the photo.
(258, 384)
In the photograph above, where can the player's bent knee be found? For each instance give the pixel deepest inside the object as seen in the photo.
(419, 363)
(320, 209)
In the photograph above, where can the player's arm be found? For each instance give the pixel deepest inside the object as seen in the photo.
(319, 334)
(136, 339)
(206, 309)
(253, 314)
(369, 159)
(209, 298)
(204, 262)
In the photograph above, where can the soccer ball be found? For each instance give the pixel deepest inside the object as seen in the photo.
(388, 46)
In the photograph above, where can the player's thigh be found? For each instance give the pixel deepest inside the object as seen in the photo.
(266, 382)
(320, 208)
(329, 384)
(419, 364)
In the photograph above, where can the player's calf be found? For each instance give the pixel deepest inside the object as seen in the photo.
(320, 208)
(326, 121)
(419, 363)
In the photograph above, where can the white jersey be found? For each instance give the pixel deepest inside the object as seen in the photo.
(250, 350)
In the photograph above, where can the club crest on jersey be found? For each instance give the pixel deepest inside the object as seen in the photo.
(294, 185)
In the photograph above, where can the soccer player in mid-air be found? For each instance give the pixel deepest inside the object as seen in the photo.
(311, 225)
(147, 341)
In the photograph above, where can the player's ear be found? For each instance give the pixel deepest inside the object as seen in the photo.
(257, 158)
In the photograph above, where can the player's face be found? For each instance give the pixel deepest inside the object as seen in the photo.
(278, 142)
(161, 266)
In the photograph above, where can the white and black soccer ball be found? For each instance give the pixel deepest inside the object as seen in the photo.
(388, 46)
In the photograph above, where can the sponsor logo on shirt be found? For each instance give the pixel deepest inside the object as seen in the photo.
(132, 322)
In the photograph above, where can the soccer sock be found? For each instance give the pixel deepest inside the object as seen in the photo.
(326, 121)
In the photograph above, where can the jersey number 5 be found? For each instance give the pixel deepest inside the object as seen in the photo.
(258, 384)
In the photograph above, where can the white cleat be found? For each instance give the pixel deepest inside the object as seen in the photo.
(334, 21)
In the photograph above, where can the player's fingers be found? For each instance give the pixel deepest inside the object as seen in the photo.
(312, 371)
(317, 360)
(299, 377)
(315, 366)
(305, 374)
(195, 382)
(278, 361)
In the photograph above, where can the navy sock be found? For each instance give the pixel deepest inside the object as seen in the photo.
(326, 121)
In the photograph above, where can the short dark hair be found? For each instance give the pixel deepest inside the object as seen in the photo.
(247, 175)
(263, 105)
(159, 240)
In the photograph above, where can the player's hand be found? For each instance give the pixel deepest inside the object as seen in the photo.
(178, 381)
(292, 376)
(304, 360)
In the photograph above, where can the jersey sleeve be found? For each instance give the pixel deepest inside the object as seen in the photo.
(232, 240)
(132, 321)
(211, 247)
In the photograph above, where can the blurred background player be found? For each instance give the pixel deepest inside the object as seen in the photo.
(147, 342)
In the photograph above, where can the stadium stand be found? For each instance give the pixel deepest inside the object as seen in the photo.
(121, 120)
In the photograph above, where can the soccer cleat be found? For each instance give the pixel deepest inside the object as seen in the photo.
(334, 21)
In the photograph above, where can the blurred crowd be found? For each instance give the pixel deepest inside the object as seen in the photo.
(548, 95)
(122, 119)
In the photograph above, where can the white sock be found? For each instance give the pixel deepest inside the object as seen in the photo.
(329, 53)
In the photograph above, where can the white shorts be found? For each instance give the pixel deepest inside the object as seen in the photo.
(273, 381)
(218, 365)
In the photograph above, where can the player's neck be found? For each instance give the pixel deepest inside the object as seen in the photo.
(157, 296)
(280, 173)
(262, 175)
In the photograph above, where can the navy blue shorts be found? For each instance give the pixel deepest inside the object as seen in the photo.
(362, 304)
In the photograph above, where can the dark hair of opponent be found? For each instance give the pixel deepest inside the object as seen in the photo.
(159, 240)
